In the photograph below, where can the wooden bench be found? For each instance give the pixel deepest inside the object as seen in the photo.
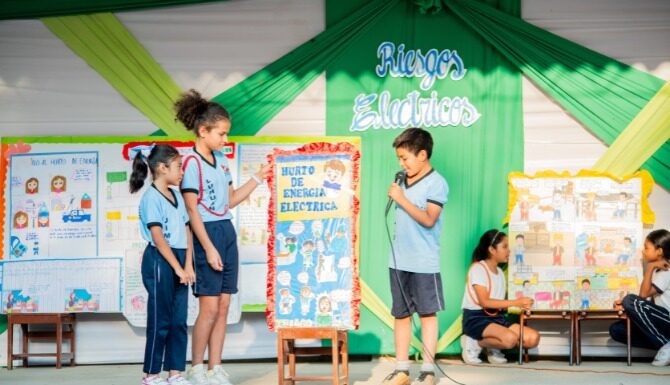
(527, 315)
(613, 314)
(287, 352)
(25, 320)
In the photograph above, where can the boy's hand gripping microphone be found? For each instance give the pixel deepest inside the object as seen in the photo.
(399, 176)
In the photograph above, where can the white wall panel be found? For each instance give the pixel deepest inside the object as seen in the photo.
(633, 32)
(46, 89)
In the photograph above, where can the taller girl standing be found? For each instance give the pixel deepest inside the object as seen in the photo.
(167, 265)
(209, 194)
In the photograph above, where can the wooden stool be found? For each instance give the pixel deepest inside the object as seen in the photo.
(27, 319)
(545, 314)
(613, 314)
(287, 351)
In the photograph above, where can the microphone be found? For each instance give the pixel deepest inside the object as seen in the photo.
(399, 176)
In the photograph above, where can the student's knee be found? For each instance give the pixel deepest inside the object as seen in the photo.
(531, 338)
(224, 302)
(209, 313)
(628, 302)
(509, 340)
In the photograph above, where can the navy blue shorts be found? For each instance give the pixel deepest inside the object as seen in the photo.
(422, 293)
(475, 321)
(209, 282)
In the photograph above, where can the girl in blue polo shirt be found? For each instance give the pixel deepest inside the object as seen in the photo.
(167, 266)
(209, 195)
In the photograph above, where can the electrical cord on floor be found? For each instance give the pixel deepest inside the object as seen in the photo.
(404, 297)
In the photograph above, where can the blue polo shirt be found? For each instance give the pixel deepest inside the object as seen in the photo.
(417, 248)
(213, 178)
(157, 210)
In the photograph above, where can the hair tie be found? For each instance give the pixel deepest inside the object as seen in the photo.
(494, 238)
(141, 151)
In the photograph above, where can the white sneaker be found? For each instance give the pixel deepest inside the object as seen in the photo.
(218, 376)
(495, 356)
(157, 380)
(663, 356)
(197, 375)
(470, 350)
(177, 379)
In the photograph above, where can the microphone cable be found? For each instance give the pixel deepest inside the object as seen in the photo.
(404, 297)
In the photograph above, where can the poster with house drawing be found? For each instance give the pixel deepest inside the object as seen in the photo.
(576, 240)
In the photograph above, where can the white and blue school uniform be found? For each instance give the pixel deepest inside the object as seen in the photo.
(475, 318)
(210, 182)
(650, 320)
(416, 265)
(167, 333)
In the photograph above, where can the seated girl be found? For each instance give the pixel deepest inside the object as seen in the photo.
(484, 304)
(649, 311)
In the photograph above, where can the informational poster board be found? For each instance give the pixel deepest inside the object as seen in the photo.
(70, 235)
(313, 252)
(576, 240)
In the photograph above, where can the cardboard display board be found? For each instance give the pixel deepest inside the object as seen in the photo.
(576, 240)
(313, 252)
(71, 237)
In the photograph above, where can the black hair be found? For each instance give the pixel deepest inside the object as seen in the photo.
(160, 154)
(525, 282)
(661, 240)
(520, 236)
(415, 140)
(491, 238)
(586, 280)
(194, 111)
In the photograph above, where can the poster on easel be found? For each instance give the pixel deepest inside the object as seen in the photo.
(576, 240)
(312, 250)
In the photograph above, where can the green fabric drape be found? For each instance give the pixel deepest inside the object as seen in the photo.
(33, 9)
(256, 100)
(475, 160)
(600, 92)
(111, 50)
(643, 136)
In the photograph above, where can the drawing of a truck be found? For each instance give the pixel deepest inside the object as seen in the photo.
(76, 216)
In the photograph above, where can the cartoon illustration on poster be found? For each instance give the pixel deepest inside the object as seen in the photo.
(313, 272)
(576, 240)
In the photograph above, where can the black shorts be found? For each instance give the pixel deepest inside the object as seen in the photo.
(422, 293)
(209, 282)
(475, 321)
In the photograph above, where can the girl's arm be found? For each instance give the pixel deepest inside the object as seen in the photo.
(239, 195)
(490, 303)
(188, 266)
(646, 288)
(165, 250)
(213, 257)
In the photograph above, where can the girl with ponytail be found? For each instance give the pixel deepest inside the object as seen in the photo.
(484, 304)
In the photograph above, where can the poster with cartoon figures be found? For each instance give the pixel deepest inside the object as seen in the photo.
(64, 285)
(312, 251)
(67, 200)
(575, 240)
(51, 205)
